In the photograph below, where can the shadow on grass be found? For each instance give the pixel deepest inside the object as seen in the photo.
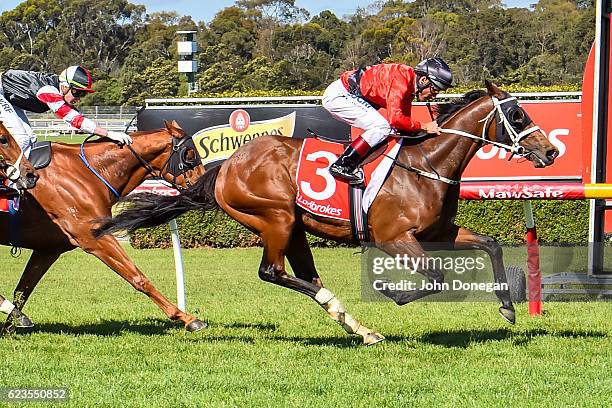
(270, 327)
(461, 338)
(334, 341)
(149, 327)
(467, 338)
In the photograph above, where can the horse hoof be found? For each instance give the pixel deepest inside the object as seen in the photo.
(508, 314)
(20, 320)
(373, 338)
(196, 326)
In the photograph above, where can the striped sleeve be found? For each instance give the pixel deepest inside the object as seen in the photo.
(55, 100)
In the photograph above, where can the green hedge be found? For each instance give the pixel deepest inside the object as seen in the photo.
(462, 88)
(557, 222)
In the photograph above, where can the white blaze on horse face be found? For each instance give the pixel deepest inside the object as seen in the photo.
(330, 181)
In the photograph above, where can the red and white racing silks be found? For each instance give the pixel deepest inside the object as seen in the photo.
(55, 100)
(390, 86)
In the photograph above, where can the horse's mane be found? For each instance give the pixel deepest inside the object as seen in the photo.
(446, 110)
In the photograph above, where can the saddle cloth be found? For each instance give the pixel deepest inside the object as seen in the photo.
(10, 206)
(321, 194)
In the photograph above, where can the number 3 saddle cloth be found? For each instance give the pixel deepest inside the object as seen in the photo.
(321, 194)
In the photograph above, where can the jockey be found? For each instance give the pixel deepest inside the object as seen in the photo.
(357, 95)
(38, 92)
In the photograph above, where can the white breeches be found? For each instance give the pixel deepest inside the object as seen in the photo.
(356, 112)
(16, 122)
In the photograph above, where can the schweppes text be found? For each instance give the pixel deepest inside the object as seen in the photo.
(220, 142)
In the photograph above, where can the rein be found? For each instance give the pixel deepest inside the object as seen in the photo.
(516, 137)
(497, 111)
(150, 170)
(98, 175)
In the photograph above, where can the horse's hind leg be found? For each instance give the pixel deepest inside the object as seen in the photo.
(407, 245)
(300, 257)
(467, 239)
(278, 241)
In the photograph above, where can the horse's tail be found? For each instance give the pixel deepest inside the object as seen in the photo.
(149, 210)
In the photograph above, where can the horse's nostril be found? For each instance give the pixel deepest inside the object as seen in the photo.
(552, 154)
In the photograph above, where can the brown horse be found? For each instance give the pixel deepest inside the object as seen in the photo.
(55, 217)
(13, 165)
(257, 187)
(16, 168)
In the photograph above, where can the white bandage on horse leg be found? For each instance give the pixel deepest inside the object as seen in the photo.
(323, 296)
(6, 307)
(336, 311)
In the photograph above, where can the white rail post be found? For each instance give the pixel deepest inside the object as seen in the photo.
(178, 264)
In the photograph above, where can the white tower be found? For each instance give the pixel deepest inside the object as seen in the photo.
(187, 48)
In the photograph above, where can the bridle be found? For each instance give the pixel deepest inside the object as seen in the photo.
(177, 163)
(509, 118)
(12, 171)
(509, 115)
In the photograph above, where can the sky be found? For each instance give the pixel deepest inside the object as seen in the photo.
(205, 11)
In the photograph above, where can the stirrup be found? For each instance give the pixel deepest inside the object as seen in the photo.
(354, 178)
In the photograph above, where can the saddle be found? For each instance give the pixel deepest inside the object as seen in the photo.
(370, 156)
(40, 155)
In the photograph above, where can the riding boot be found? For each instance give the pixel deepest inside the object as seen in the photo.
(345, 168)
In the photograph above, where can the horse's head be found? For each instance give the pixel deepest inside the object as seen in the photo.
(183, 165)
(513, 128)
(13, 165)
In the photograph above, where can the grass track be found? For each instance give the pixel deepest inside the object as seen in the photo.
(267, 346)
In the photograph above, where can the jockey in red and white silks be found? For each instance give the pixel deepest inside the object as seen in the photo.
(356, 97)
(29, 91)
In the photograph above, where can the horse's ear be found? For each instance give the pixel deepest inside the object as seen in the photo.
(492, 89)
(174, 128)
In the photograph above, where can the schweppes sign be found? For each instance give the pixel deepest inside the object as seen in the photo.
(217, 143)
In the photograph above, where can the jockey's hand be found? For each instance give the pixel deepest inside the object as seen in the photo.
(119, 137)
(431, 127)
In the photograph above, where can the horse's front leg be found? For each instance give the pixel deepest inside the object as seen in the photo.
(109, 251)
(467, 239)
(408, 248)
(15, 316)
(38, 264)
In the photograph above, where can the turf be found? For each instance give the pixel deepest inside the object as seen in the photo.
(267, 346)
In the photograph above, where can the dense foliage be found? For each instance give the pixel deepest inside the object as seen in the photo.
(274, 45)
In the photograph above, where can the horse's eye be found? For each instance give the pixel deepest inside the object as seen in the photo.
(3, 140)
(189, 156)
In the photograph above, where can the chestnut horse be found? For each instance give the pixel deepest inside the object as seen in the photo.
(55, 217)
(13, 165)
(16, 168)
(257, 187)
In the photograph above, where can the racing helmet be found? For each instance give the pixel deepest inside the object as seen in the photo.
(77, 77)
(436, 71)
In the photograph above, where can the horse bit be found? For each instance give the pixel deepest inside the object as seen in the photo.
(11, 171)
